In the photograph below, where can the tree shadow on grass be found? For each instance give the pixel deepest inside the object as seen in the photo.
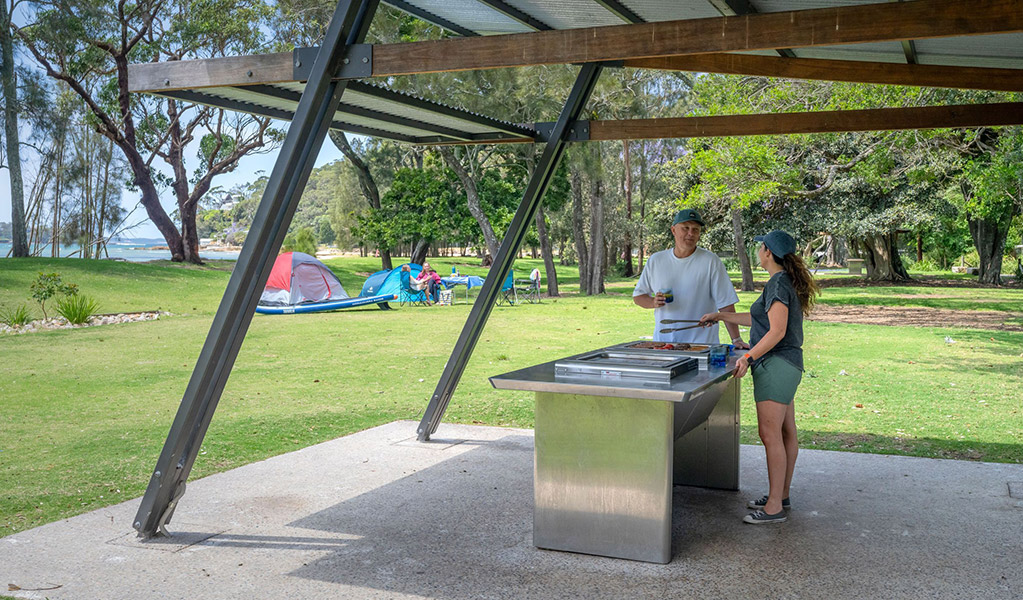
(869, 443)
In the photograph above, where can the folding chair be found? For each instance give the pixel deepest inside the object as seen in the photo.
(528, 289)
(409, 295)
(507, 295)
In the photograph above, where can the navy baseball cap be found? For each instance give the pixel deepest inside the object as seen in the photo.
(778, 242)
(687, 214)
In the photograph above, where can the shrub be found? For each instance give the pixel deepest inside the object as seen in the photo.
(48, 285)
(77, 308)
(925, 265)
(15, 317)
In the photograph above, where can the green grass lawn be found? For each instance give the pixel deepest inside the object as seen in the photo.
(85, 412)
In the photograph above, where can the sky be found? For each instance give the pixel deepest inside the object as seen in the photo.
(249, 169)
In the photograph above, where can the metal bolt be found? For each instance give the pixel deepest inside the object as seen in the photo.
(157, 474)
(166, 81)
(138, 524)
(346, 61)
(365, 59)
(571, 131)
(298, 63)
(249, 73)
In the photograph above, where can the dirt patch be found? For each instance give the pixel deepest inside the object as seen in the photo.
(913, 316)
(921, 281)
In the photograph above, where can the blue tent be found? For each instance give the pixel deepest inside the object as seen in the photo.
(387, 281)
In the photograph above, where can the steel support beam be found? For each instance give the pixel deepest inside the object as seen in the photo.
(429, 17)
(621, 11)
(732, 8)
(531, 199)
(305, 136)
(513, 13)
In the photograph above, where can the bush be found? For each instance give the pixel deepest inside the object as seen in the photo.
(925, 265)
(15, 317)
(77, 308)
(48, 285)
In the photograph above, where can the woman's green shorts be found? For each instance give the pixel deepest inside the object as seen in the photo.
(775, 378)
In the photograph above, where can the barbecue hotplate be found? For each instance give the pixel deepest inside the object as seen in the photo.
(625, 364)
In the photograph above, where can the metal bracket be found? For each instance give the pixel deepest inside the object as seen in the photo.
(578, 131)
(357, 63)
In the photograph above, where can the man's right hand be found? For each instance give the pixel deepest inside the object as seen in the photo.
(659, 300)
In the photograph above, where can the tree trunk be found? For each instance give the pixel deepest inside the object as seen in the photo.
(370, 191)
(472, 198)
(627, 250)
(830, 251)
(577, 230)
(13, 141)
(419, 251)
(545, 251)
(100, 224)
(58, 191)
(741, 252)
(597, 246)
(989, 239)
(881, 257)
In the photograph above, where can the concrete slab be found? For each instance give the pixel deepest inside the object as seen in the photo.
(377, 515)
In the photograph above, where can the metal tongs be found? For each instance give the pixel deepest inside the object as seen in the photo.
(670, 329)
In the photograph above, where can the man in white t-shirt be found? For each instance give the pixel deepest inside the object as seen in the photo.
(698, 282)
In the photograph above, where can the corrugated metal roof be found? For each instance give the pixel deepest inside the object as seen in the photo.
(374, 110)
(567, 14)
(1004, 50)
(366, 108)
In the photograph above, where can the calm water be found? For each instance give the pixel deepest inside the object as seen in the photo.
(130, 250)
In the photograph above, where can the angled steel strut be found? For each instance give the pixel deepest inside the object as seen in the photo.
(531, 199)
(319, 102)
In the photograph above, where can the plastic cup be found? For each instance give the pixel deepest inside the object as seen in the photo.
(718, 355)
(668, 295)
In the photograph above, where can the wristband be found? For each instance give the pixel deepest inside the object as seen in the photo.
(748, 357)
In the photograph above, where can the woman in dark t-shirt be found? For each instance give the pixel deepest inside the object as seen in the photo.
(776, 358)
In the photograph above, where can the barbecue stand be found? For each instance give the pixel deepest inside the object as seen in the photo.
(614, 430)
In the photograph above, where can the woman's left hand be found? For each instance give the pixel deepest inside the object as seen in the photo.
(741, 366)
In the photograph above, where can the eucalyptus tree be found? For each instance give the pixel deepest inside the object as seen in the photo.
(88, 45)
(12, 142)
(302, 23)
(875, 183)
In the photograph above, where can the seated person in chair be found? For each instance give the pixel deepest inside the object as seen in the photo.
(431, 280)
(534, 278)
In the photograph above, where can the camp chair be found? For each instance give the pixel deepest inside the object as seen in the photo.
(507, 295)
(528, 290)
(410, 295)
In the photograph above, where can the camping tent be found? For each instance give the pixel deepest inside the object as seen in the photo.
(387, 281)
(298, 278)
(299, 283)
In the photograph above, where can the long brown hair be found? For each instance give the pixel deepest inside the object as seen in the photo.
(806, 286)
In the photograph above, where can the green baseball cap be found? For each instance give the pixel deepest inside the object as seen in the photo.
(778, 242)
(687, 214)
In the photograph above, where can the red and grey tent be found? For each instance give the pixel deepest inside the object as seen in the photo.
(300, 283)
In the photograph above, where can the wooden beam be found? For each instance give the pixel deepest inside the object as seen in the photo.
(974, 78)
(820, 27)
(211, 72)
(878, 119)
(922, 19)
